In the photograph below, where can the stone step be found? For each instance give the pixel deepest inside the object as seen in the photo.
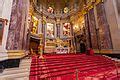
(19, 68)
(25, 61)
(19, 73)
(9, 72)
(22, 78)
(14, 76)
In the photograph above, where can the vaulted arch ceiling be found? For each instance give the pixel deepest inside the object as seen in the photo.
(73, 7)
(61, 4)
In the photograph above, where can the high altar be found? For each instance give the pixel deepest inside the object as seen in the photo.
(57, 36)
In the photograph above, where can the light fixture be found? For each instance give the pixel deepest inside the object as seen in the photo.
(66, 10)
(50, 9)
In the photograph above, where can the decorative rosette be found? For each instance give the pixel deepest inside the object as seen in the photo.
(66, 10)
(50, 9)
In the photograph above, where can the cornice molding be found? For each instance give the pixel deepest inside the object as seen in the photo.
(4, 20)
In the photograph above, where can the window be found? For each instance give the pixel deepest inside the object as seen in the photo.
(1, 32)
(118, 6)
(2, 23)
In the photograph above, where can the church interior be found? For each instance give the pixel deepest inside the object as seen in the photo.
(59, 40)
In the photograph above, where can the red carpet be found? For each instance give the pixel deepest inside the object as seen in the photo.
(73, 67)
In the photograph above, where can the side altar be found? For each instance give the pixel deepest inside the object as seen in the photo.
(58, 46)
(58, 38)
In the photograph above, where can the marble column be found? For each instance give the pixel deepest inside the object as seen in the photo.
(92, 29)
(58, 29)
(104, 32)
(112, 18)
(16, 39)
(40, 26)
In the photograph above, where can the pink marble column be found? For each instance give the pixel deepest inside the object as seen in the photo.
(104, 32)
(17, 29)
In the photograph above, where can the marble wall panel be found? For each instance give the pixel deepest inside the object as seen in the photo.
(104, 32)
(92, 26)
(58, 30)
(1, 6)
(102, 38)
(88, 38)
(17, 30)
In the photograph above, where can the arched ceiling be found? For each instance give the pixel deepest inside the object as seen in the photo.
(61, 4)
(73, 6)
(59, 7)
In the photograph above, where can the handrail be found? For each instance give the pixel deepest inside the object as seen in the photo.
(76, 74)
(117, 70)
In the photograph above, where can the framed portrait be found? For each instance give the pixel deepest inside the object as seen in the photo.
(50, 30)
(66, 29)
